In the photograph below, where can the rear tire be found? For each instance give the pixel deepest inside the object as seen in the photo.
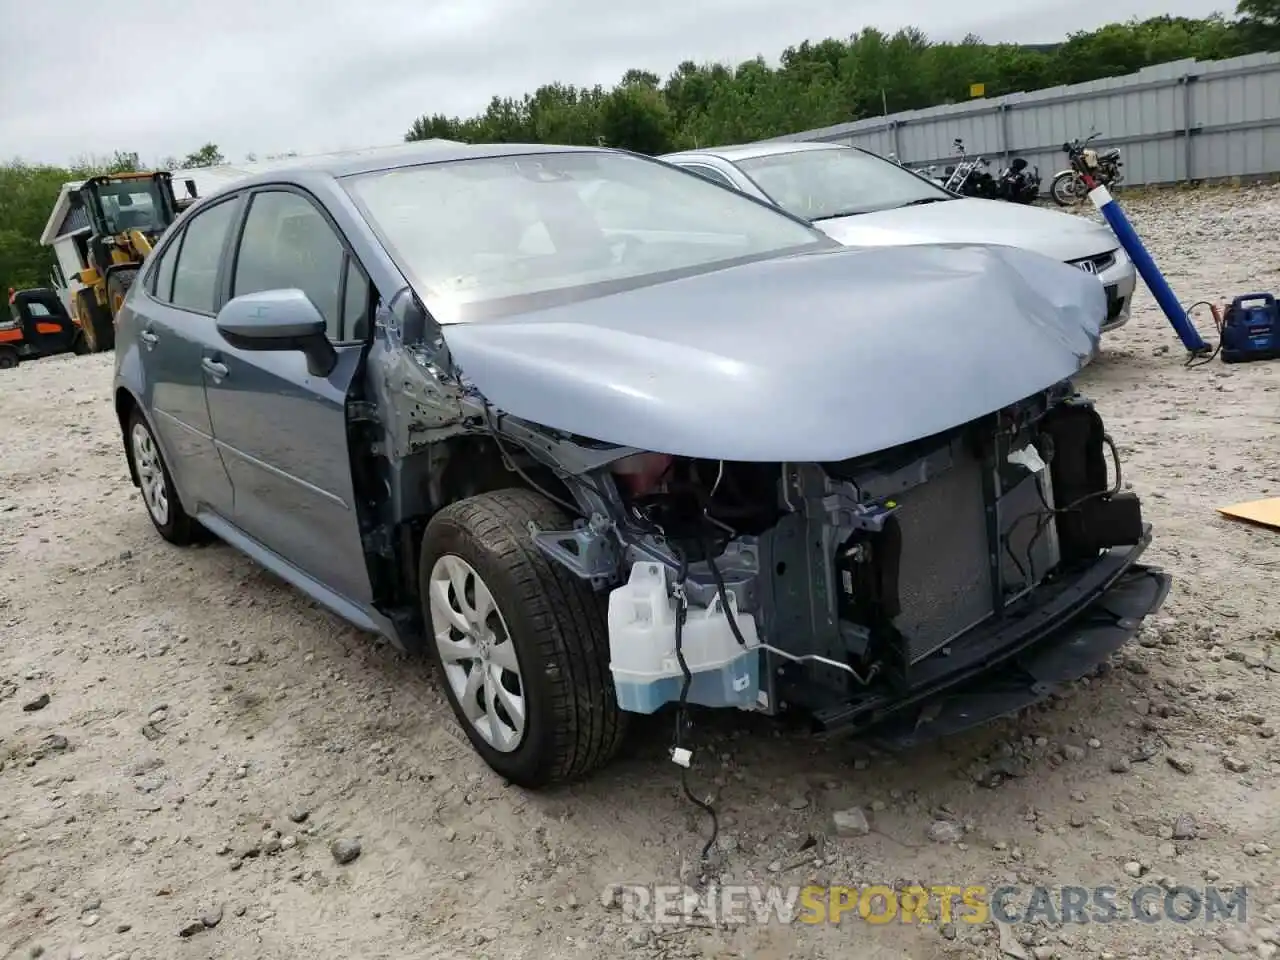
(491, 599)
(8, 358)
(158, 493)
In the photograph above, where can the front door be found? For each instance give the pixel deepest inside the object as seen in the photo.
(281, 431)
(172, 322)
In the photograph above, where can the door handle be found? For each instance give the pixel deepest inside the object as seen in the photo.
(149, 338)
(214, 368)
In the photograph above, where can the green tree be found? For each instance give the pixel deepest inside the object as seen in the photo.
(27, 193)
(207, 156)
(436, 126)
(1260, 22)
(636, 117)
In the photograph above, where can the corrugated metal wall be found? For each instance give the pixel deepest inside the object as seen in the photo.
(1185, 120)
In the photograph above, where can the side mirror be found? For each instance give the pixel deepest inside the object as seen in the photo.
(279, 320)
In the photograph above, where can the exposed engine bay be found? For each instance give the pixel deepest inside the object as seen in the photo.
(852, 583)
(839, 591)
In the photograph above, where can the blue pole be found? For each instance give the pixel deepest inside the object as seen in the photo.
(1147, 268)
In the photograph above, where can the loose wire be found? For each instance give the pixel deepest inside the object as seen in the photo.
(1199, 360)
(682, 720)
(1049, 513)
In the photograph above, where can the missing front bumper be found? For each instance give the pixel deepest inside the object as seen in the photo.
(1016, 667)
(1066, 656)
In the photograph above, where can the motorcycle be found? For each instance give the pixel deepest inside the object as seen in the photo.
(971, 176)
(1017, 183)
(1068, 186)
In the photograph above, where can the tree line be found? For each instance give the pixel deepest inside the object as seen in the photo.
(815, 84)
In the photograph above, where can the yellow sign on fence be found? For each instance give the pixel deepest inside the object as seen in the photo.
(977, 89)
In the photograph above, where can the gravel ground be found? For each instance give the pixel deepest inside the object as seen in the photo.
(212, 743)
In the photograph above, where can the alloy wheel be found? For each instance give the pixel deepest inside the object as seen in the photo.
(479, 658)
(146, 457)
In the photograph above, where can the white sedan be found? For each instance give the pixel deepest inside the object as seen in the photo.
(862, 200)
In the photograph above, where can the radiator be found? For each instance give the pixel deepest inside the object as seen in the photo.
(944, 579)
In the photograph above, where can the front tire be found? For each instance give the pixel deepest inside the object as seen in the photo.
(521, 643)
(1067, 189)
(95, 323)
(118, 285)
(158, 493)
(8, 358)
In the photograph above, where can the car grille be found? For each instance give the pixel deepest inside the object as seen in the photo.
(944, 577)
(1096, 264)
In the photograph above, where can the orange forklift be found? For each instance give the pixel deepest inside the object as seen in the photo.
(38, 326)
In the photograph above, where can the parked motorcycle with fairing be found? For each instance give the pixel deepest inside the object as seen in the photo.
(1104, 166)
(1018, 182)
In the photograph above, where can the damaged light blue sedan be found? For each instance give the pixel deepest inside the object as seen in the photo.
(601, 436)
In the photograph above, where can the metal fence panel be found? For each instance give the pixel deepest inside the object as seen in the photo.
(1178, 121)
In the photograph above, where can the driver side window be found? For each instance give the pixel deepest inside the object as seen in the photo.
(287, 243)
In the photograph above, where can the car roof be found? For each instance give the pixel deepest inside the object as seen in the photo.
(748, 151)
(391, 158)
(411, 154)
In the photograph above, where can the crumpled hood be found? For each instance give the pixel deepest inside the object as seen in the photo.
(1062, 236)
(813, 357)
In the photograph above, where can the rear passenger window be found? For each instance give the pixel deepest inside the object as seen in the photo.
(287, 243)
(162, 276)
(195, 280)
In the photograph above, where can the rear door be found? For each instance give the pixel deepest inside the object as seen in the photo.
(174, 321)
(282, 432)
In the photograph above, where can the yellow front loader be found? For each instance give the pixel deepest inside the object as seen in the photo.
(127, 213)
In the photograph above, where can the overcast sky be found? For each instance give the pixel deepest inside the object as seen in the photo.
(78, 77)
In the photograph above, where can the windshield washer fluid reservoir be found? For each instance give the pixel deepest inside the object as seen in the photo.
(642, 648)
